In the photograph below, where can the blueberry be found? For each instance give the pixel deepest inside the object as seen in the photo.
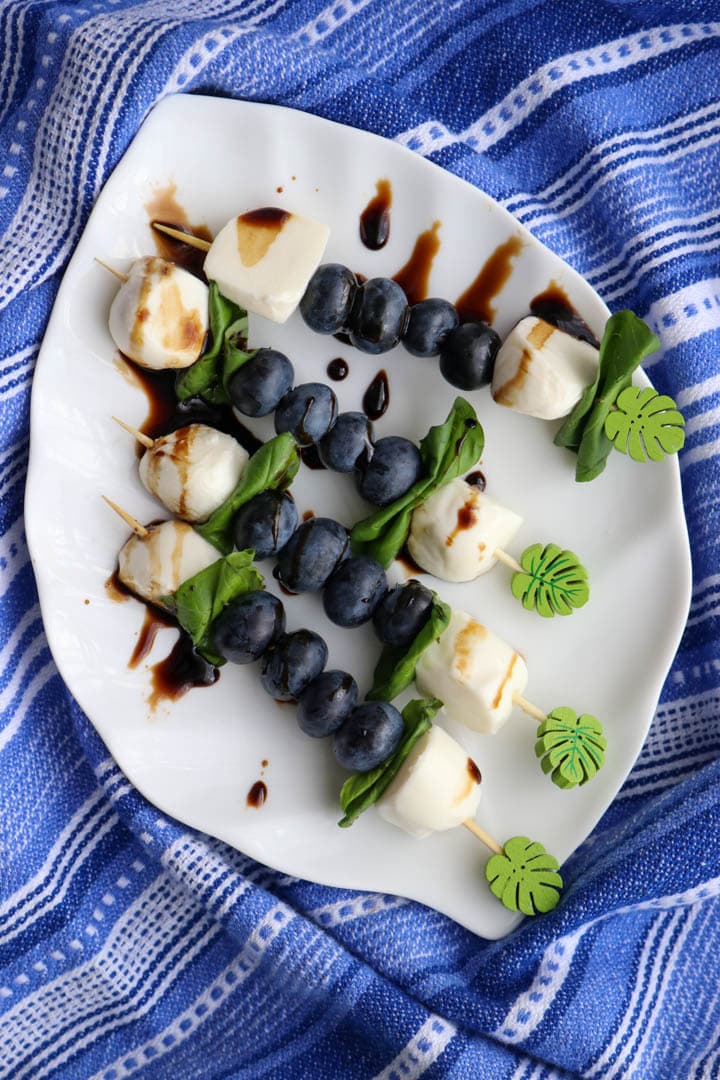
(328, 299)
(247, 626)
(369, 735)
(402, 613)
(326, 703)
(265, 523)
(346, 441)
(292, 663)
(378, 316)
(468, 356)
(354, 590)
(394, 467)
(311, 554)
(308, 411)
(256, 388)
(429, 324)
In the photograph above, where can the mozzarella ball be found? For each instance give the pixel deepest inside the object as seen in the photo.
(263, 260)
(437, 787)
(156, 565)
(455, 532)
(542, 371)
(193, 470)
(473, 672)
(159, 317)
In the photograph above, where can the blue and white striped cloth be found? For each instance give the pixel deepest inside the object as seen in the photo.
(130, 946)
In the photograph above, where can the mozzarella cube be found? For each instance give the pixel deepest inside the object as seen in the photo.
(455, 532)
(436, 788)
(263, 260)
(473, 672)
(156, 565)
(542, 371)
(193, 470)
(159, 317)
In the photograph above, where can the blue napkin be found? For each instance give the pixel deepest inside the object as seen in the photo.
(131, 946)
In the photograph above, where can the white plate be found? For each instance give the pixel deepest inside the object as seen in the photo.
(198, 758)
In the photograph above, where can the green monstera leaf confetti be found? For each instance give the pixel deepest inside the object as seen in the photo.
(553, 581)
(646, 425)
(525, 877)
(570, 747)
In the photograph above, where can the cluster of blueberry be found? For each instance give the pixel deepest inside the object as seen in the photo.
(384, 470)
(376, 316)
(312, 557)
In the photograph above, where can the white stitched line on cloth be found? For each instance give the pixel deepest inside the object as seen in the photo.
(681, 316)
(425, 1047)
(329, 20)
(653, 958)
(697, 392)
(212, 997)
(619, 149)
(346, 910)
(522, 101)
(530, 1007)
(150, 942)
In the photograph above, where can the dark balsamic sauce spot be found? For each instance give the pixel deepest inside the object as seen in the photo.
(375, 218)
(338, 369)
(414, 277)
(257, 794)
(473, 770)
(311, 458)
(553, 305)
(376, 398)
(154, 621)
(474, 305)
(183, 670)
(476, 479)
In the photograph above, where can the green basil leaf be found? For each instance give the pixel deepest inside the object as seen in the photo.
(395, 669)
(200, 599)
(447, 451)
(272, 466)
(626, 342)
(361, 790)
(208, 377)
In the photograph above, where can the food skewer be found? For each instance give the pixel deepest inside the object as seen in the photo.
(111, 269)
(186, 238)
(520, 873)
(140, 436)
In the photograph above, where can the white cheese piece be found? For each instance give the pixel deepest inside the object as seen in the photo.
(437, 787)
(193, 470)
(263, 260)
(156, 565)
(474, 673)
(542, 371)
(159, 317)
(454, 533)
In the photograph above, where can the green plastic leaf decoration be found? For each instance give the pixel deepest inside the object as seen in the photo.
(553, 581)
(570, 747)
(525, 877)
(646, 425)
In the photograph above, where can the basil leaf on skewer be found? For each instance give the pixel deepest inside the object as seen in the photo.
(200, 599)
(208, 377)
(395, 669)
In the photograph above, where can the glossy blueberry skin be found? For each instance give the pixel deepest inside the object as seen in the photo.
(354, 590)
(326, 703)
(402, 613)
(346, 442)
(308, 412)
(265, 523)
(328, 299)
(428, 326)
(468, 356)
(292, 663)
(378, 316)
(311, 554)
(248, 626)
(394, 467)
(256, 388)
(369, 735)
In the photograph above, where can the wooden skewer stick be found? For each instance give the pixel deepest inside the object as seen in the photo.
(117, 273)
(134, 524)
(484, 837)
(503, 557)
(187, 238)
(139, 435)
(529, 708)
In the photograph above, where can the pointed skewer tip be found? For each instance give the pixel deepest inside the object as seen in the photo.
(116, 273)
(185, 238)
(141, 437)
(134, 524)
